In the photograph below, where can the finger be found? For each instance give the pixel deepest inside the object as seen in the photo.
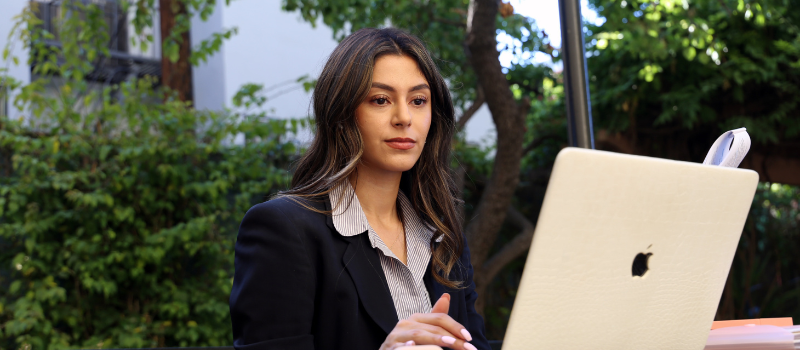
(441, 331)
(459, 344)
(455, 344)
(444, 321)
(434, 329)
(442, 305)
(422, 337)
(402, 345)
(393, 346)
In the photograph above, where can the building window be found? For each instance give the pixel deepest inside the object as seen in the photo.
(125, 60)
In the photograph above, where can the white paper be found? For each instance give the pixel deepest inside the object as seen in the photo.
(729, 149)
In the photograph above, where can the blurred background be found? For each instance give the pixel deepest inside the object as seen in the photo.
(134, 135)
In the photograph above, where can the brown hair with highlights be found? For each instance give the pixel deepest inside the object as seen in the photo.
(337, 146)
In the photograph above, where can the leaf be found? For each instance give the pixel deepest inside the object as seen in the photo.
(689, 53)
(15, 286)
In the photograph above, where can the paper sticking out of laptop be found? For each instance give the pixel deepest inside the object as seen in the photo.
(729, 149)
(632, 252)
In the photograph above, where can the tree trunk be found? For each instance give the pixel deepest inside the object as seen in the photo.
(176, 76)
(509, 119)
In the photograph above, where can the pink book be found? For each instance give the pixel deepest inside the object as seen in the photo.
(780, 322)
(751, 337)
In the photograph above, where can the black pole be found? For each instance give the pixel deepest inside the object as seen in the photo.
(576, 80)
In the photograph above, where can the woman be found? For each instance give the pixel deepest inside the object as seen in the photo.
(365, 250)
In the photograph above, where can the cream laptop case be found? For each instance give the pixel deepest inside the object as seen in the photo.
(600, 210)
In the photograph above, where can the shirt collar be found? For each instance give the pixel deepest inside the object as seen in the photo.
(349, 218)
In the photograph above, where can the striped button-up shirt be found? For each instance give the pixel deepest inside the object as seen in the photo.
(405, 281)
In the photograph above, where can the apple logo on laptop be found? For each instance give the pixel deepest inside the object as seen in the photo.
(639, 267)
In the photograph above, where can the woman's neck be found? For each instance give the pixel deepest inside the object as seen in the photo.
(377, 192)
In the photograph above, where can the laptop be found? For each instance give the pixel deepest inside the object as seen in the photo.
(629, 252)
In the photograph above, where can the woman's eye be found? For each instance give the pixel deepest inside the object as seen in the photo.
(418, 101)
(380, 101)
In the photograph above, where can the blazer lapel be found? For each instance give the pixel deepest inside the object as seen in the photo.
(364, 266)
(436, 289)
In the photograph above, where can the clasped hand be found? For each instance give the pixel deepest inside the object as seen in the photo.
(434, 328)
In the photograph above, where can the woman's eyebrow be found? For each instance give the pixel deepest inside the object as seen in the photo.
(378, 85)
(419, 87)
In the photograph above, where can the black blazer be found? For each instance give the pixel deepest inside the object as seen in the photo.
(299, 284)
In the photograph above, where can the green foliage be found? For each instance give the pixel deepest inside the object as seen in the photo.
(145, 16)
(547, 128)
(118, 209)
(765, 276)
(209, 47)
(705, 64)
(119, 224)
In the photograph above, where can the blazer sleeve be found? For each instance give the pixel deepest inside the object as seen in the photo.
(272, 300)
(474, 322)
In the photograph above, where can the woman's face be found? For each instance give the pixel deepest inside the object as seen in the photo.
(395, 117)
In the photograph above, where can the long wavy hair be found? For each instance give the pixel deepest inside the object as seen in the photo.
(337, 147)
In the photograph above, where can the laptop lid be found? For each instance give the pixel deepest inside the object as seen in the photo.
(629, 252)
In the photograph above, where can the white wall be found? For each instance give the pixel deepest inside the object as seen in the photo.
(208, 77)
(274, 47)
(21, 72)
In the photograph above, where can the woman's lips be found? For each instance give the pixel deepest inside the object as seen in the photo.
(401, 143)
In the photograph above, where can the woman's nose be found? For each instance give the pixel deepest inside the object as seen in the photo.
(402, 117)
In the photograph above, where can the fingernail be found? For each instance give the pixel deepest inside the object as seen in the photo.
(410, 343)
(469, 346)
(449, 340)
(466, 334)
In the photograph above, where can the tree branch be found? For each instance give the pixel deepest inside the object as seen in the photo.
(727, 9)
(450, 22)
(537, 142)
(480, 99)
(513, 249)
(525, 107)
(509, 121)
(432, 14)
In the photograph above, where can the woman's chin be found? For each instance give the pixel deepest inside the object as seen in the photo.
(389, 162)
(399, 168)
(396, 166)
